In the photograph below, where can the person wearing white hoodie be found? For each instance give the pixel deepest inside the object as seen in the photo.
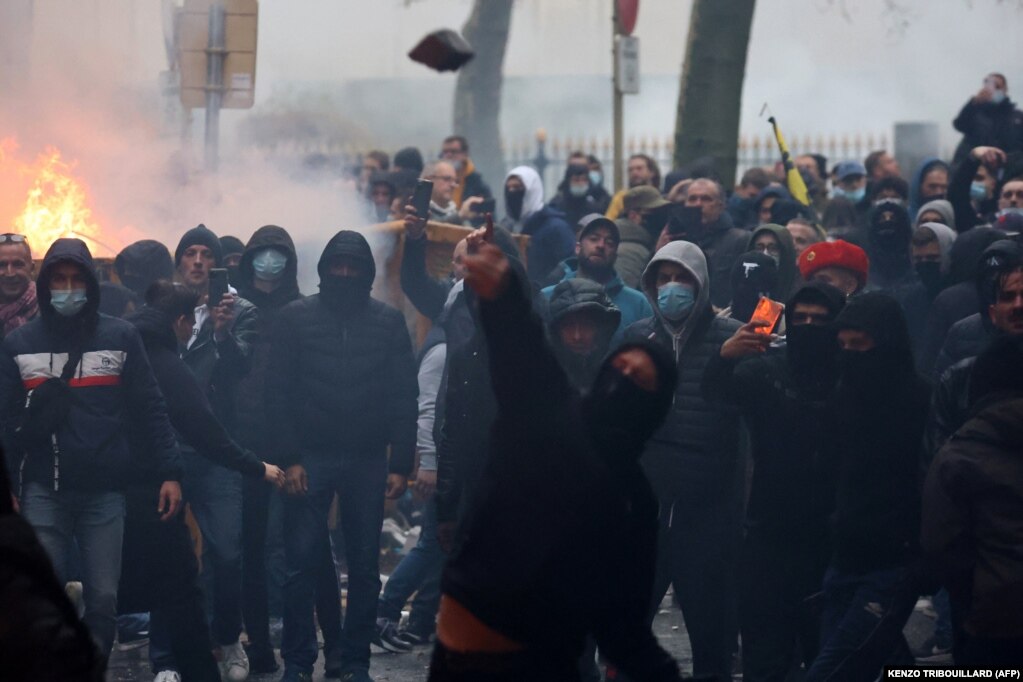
(693, 460)
(551, 240)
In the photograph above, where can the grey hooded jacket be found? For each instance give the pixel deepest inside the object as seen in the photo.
(696, 450)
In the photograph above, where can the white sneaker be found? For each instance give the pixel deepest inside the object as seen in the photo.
(167, 676)
(234, 662)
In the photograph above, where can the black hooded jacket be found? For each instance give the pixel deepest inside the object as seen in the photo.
(112, 388)
(189, 411)
(785, 401)
(254, 422)
(341, 379)
(142, 263)
(878, 436)
(590, 521)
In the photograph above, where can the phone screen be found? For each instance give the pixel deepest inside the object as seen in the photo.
(486, 206)
(767, 311)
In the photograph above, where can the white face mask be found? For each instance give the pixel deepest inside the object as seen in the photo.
(998, 96)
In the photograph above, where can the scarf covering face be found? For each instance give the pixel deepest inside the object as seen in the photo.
(20, 311)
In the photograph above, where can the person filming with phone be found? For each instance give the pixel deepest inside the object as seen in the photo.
(990, 119)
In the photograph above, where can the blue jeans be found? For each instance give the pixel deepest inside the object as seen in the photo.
(214, 494)
(95, 521)
(359, 482)
(418, 572)
(862, 621)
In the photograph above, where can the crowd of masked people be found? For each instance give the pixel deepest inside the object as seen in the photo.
(597, 414)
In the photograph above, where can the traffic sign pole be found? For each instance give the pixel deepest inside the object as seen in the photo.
(216, 48)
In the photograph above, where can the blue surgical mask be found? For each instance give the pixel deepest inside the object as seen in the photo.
(998, 96)
(978, 191)
(578, 190)
(68, 302)
(269, 264)
(855, 196)
(676, 300)
(596, 177)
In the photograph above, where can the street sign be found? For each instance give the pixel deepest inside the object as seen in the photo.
(239, 59)
(628, 12)
(627, 65)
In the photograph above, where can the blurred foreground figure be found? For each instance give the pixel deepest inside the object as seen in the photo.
(528, 581)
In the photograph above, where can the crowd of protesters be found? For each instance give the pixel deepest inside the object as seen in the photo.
(597, 414)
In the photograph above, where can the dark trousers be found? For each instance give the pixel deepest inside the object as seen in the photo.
(255, 609)
(419, 572)
(359, 482)
(695, 555)
(862, 621)
(989, 652)
(450, 666)
(161, 574)
(779, 621)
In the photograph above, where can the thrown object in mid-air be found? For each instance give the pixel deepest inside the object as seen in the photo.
(443, 50)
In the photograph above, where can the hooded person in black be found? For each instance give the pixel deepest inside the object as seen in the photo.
(72, 383)
(582, 321)
(341, 384)
(527, 583)
(160, 572)
(784, 396)
(754, 275)
(268, 278)
(876, 434)
(141, 263)
(577, 196)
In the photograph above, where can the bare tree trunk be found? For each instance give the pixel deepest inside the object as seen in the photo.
(15, 45)
(710, 96)
(478, 90)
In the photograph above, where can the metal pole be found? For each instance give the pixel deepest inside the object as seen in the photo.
(215, 52)
(617, 96)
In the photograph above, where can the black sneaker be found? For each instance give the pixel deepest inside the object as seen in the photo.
(386, 637)
(414, 638)
(356, 676)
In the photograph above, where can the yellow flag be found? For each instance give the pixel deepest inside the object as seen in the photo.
(792, 177)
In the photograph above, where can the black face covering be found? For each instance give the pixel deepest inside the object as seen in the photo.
(514, 199)
(812, 352)
(621, 416)
(344, 292)
(929, 273)
(870, 371)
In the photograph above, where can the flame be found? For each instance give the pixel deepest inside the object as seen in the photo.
(56, 201)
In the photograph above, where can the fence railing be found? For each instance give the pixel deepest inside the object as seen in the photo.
(549, 154)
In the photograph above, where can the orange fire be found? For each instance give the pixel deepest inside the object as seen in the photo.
(56, 204)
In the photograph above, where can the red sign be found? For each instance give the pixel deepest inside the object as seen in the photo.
(628, 12)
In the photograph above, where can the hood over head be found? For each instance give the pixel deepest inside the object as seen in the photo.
(967, 250)
(72, 251)
(143, 262)
(946, 239)
(778, 191)
(812, 350)
(691, 258)
(916, 198)
(533, 200)
(788, 273)
(888, 237)
(231, 245)
(353, 244)
(942, 207)
(269, 236)
(754, 274)
(879, 369)
(620, 416)
(578, 295)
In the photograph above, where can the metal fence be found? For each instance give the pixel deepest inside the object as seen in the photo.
(549, 154)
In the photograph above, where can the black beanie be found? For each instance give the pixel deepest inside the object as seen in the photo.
(231, 245)
(202, 235)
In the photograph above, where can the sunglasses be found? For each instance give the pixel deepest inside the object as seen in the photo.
(12, 238)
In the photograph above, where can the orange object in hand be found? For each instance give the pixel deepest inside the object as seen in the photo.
(768, 312)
